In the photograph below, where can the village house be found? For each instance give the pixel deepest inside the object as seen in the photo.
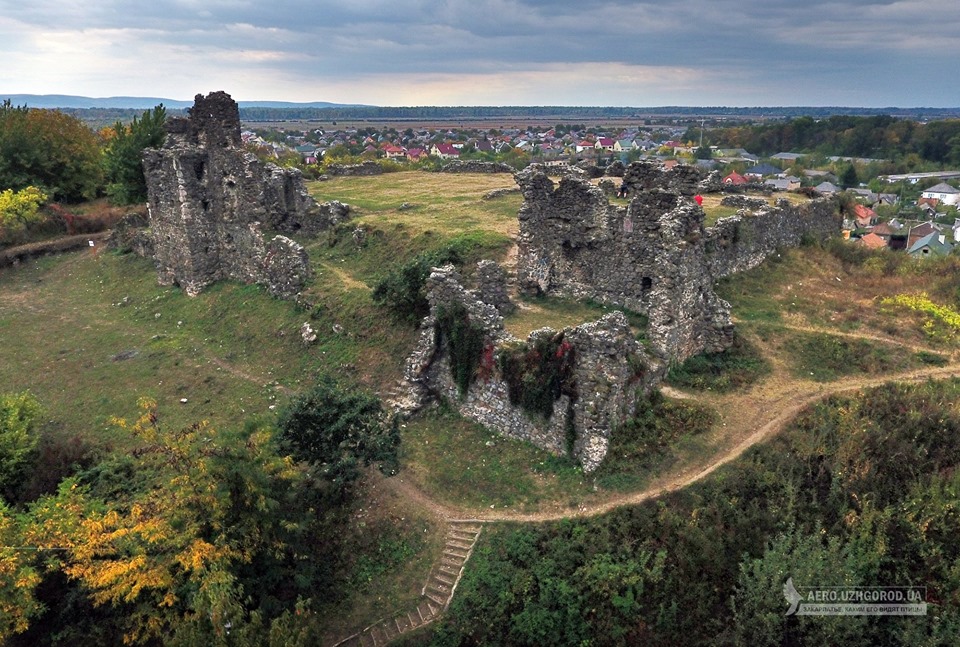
(789, 183)
(873, 241)
(735, 179)
(392, 151)
(933, 244)
(444, 151)
(943, 193)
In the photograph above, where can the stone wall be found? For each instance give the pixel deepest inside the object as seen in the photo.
(743, 241)
(476, 166)
(604, 373)
(209, 201)
(648, 257)
(654, 256)
(350, 170)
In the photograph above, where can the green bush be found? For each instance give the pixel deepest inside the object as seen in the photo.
(739, 366)
(19, 414)
(642, 441)
(403, 290)
(339, 430)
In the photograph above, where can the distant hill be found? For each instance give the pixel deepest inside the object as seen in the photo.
(143, 103)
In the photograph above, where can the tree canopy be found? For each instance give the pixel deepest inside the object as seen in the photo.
(122, 157)
(50, 150)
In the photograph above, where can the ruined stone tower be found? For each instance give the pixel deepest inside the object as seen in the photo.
(208, 200)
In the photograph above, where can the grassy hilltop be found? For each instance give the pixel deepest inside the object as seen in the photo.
(91, 332)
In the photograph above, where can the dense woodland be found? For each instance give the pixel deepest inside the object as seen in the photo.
(880, 137)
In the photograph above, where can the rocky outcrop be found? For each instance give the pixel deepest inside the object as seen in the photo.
(209, 202)
(607, 370)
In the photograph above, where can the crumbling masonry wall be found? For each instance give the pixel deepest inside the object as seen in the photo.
(607, 375)
(209, 202)
(742, 242)
(648, 257)
(653, 256)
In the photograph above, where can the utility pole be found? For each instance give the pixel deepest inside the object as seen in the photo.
(701, 132)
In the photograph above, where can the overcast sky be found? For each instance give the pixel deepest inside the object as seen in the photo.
(490, 52)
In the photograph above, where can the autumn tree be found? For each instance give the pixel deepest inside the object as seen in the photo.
(18, 578)
(122, 157)
(50, 150)
(19, 209)
(171, 547)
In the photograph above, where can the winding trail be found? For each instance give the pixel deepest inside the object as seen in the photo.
(774, 411)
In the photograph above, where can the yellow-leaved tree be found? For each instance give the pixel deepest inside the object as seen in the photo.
(20, 208)
(167, 552)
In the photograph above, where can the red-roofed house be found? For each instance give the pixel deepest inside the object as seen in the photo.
(585, 145)
(864, 215)
(394, 152)
(735, 179)
(444, 151)
(416, 154)
(872, 241)
(605, 144)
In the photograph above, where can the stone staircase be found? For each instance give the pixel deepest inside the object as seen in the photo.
(462, 535)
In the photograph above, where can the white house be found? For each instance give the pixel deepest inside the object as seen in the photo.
(942, 192)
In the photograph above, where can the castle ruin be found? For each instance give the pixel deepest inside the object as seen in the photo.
(653, 256)
(604, 369)
(209, 202)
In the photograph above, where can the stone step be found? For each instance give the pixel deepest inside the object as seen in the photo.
(452, 571)
(389, 630)
(466, 525)
(460, 535)
(402, 623)
(455, 563)
(413, 617)
(459, 544)
(444, 578)
(426, 610)
(440, 589)
(437, 598)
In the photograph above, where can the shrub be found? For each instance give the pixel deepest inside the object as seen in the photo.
(739, 366)
(19, 413)
(642, 441)
(403, 290)
(339, 430)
